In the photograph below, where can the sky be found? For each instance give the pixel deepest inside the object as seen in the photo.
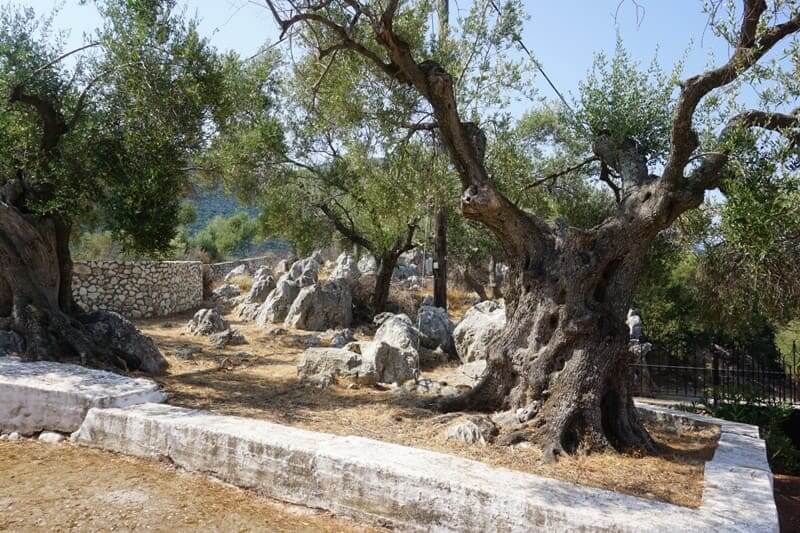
(564, 35)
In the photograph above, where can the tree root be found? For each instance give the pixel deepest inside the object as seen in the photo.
(54, 336)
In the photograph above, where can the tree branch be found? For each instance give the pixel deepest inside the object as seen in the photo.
(707, 175)
(521, 233)
(751, 48)
(349, 232)
(51, 119)
(560, 173)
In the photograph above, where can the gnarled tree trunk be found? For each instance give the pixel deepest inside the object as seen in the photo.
(563, 360)
(36, 274)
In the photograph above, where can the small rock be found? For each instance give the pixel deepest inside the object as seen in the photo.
(187, 352)
(51, 437)
(230, 336)
(472, 429)
(14, 436)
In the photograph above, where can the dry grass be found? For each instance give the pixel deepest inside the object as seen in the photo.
(262, 384)
(243, 281)
(69, 488)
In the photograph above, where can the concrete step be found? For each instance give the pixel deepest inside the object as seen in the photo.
(407, 488)
(39, 396)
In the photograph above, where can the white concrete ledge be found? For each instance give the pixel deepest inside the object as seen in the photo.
(38, 396)
(419, 490)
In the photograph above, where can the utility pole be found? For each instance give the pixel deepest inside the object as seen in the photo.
(440, 220)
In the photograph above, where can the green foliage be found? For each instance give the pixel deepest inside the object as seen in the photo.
(136, 105)
(225, 238)
(786, 337)
(94, 246)
(619, 98)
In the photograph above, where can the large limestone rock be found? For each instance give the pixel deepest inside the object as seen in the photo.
(283, 266)
(262, 272)
(363, 362)
(346, 269)
(393, 364)
(261, 288)
(115, 332)
(225, 293)
(322, 306)
(11, 343)
(436, 327)
(367, 264)
(308, 268)
(397, 331)
(240, 270)
(278, 302)
(480, 325)
(323, 366)
(206, 322)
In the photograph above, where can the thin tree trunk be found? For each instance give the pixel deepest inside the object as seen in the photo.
(383, 280)
(440, 260)
(473, 284)
(495, 292)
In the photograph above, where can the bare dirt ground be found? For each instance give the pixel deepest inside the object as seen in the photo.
(45, 487)
(259, 380)
(787, 498)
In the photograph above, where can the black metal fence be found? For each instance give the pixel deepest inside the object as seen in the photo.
(717, 374)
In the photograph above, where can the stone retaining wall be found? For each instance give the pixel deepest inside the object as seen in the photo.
(139, 289)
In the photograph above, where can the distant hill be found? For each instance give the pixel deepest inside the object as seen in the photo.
(210, 204)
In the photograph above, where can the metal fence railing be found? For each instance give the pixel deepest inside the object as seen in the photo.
(718, 375)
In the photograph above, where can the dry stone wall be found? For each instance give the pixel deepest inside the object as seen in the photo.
(138, 289)
(214, 272)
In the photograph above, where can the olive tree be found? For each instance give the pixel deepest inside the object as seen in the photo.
(563, 357)
(107, 135)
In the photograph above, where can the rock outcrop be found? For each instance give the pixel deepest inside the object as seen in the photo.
(206, 322)
(117, 333)
(480, 325)
(322, 306)
(278, 302)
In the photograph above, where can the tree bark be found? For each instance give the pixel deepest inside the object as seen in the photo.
(440, 260)
(562, 361)
(495, 291)
(474, 284)
(383, 280)
(35, 284)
